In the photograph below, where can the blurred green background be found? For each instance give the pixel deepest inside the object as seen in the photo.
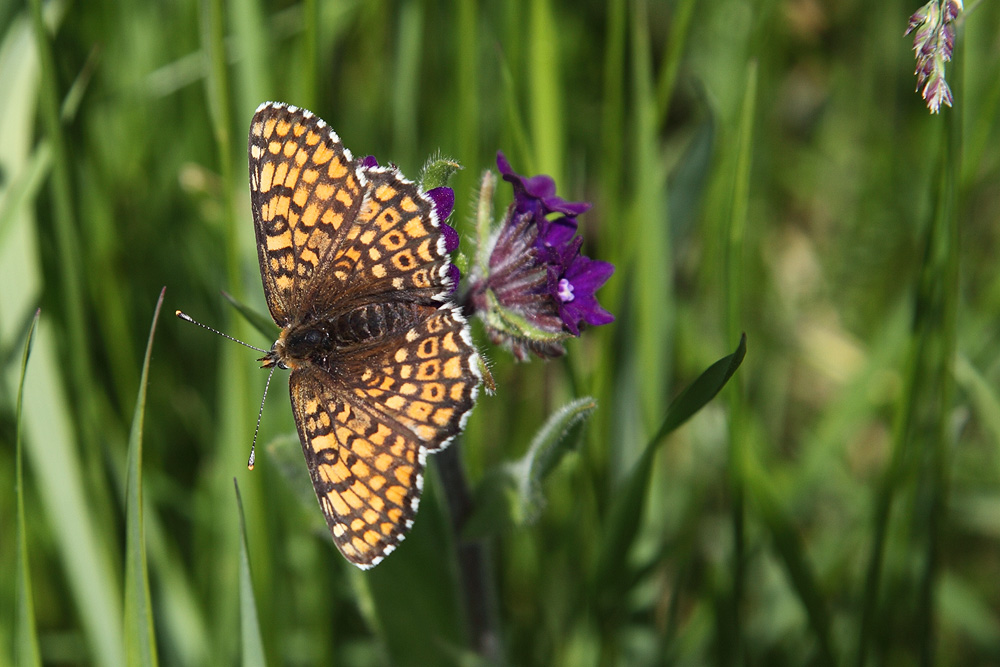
(754, 166)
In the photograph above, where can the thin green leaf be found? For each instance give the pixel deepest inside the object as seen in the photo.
(921, 440)
(140, 639)
(251, 641)
(25, 635)
(701, 391)
(734, 280)
(24, 187)
(258, 321)
(626, 512)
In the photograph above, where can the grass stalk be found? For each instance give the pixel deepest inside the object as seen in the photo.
(140, 639)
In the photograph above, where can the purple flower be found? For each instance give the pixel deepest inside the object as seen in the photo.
(537, 196)
(536, 288)
(572, 282)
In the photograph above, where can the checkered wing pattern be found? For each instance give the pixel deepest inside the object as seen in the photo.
(384, 370)
(395, 244)
(305, 192)
(366, 448)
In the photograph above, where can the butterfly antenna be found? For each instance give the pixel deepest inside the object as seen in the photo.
(253, 447)
(188, 318)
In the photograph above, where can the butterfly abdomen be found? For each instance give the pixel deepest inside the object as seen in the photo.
(375, 320)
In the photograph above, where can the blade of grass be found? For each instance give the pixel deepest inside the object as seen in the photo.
(942, 273)
(650, 245)
(51, 437)
(67, 240)
(251, 641)
(672, 55)
(258, 321)
(626, 513)
(140, 640)
(217, 528)
(613, 113)
(921, 434)
(739, 453)
(24, 187)
(310, 54)
(467, 94)
(546, 94)
(250, 36)
(406, 80)
(514, 122)
(25, 634)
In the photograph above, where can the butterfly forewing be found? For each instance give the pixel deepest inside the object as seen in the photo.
(395, 244)
(305, 192)
(354, 268)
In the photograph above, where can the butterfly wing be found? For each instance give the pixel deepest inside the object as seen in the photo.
(334, 237)
(305, 192)
(367, 474)
(366, 438)
(394, 249)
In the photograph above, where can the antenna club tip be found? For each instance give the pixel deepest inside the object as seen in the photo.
(178, 313)
(249, 466)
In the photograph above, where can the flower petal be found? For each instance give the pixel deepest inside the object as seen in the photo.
(444, 201)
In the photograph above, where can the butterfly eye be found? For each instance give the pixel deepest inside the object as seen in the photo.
(302, 344)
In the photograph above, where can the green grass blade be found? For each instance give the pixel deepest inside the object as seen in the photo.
(735, 278)
(251, 642)
(406, 78)
(250, 35)
(67, 239)
(25, 187)
(673, 55)
(310, 55)
(650, 245)
(920, 457)
(546, 94)
(140, 639)
(626, 512)
(88, 587)
(258, 321)
(233, 427)
(25, 634)
(701, 391)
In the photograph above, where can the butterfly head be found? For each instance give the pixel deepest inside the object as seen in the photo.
(296, 347)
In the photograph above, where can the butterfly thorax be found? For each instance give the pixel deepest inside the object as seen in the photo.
(318, 340)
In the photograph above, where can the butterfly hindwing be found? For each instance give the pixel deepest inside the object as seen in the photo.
(367, 475)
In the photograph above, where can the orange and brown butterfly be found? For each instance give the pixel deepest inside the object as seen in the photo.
(356, 274)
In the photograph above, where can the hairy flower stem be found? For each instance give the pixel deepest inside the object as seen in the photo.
(475, 572)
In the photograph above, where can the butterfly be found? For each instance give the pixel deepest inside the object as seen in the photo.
(383, 368)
